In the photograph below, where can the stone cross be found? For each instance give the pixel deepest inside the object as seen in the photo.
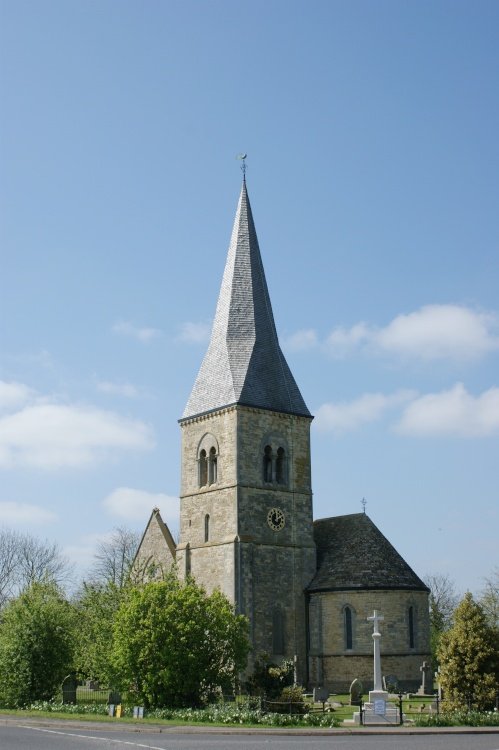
(376, 618)
(424, 669)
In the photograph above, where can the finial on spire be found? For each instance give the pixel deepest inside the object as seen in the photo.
(242, 158)
(363, 502)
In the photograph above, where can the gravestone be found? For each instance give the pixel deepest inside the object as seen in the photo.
(321, 694)
(391, 683)
(426, 688)
(69, 687)
(356, 690)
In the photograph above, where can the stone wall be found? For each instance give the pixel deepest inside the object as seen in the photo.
(333, 665)
(156, 553)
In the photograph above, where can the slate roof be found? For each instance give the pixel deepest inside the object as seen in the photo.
(244, 363)
(353, 554)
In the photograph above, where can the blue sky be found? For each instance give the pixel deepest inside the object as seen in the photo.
(373, 172)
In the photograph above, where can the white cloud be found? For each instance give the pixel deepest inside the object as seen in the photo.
(347, 416)
(13, 395)
(433, 332)
(195, 333)
(24, 513)
(453, 412)
(48, 435)
(301, 340)
(144, 335)
(118, 389)
(342, 341)
(136, 505)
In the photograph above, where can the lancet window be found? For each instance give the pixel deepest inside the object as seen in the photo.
(207, 528)
(203, 468)
(212, 466)
(348, 626)
(410, 624)
(277, 631)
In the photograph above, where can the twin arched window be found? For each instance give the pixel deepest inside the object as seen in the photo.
(274, 465)
(207, 461)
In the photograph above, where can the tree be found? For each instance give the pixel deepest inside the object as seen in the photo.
(469, 659)
(175, 645)
(114, 557)
(490, 599)
(25, 559)
(269, 678)
(36, 644)
(443, 602)
(96, 606)
(8, 563)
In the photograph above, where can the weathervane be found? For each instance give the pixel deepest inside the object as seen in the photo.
(363, 502)
(242, 157)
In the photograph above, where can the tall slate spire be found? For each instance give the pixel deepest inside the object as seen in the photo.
(244, 363)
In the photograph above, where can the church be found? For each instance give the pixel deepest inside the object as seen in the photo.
(246, 516)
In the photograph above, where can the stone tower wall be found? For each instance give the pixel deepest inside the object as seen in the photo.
(259, 569)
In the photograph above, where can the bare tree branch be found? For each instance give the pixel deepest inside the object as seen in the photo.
(25, 559)
(114, 557)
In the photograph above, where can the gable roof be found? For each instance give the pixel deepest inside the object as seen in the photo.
(244, 363)
(352, 553)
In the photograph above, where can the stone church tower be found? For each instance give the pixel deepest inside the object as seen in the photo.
(246, 500)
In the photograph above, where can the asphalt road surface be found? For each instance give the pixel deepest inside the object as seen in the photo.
(22, 737)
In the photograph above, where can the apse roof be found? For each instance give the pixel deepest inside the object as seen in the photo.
(352, 553)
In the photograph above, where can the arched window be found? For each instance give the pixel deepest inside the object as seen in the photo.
(203, 469)
(207, 528)
(277, 631)
(280, 466)
(347, 614)
(267, 464)
(208, 466)
(410, 623)
(212, 466)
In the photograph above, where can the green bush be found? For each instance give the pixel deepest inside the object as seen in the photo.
(218, 713)
(290, 701)
(458, 719)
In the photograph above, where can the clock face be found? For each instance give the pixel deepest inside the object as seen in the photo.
(275, 519)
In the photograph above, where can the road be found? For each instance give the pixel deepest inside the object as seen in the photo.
(22, 737)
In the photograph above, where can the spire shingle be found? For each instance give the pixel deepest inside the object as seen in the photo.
(244, 363)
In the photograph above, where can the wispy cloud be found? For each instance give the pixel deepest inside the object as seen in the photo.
(118, 389)
(144, 335)
(453, 412)
(346, 416)
(195, 333)
(136, 505)
(25, 513)
(433, 332)
(343, 341)
(46, 434)
(302, 340)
